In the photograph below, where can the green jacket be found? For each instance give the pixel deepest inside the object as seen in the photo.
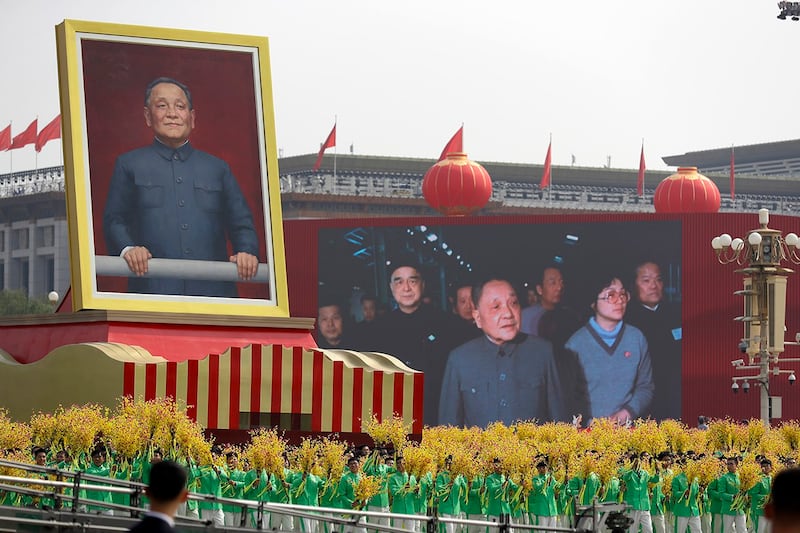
(329, 493)
(472, 503)
(305, 489)
(611, 491)
(280, 493)
(232, 486)
(685, 496)
(123, 472)
(542, 496)
(347, 489)
(448, 493)
(658, 503)
(402, 488)
(714, 504)
(98, 495)
(208, 482)
(498, 493)
(257, 486)
(637, 493)
(759, 495)
(425, 484)
(584, 490)
(725, 489)
(381, 471)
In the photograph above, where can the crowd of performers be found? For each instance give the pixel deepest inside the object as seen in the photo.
(670, 477)
(719, 505)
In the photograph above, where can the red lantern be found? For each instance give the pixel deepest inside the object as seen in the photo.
(686, 191)
(456, 186)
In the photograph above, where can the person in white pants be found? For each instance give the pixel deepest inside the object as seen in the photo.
(637, 493)
(725, 490)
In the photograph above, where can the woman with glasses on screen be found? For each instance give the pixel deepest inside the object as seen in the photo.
(613, 356)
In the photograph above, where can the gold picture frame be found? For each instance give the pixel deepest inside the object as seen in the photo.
(103, 71)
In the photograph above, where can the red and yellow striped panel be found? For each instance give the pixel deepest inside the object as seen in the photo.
(286, 386)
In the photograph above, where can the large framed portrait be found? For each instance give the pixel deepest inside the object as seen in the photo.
(193, 208)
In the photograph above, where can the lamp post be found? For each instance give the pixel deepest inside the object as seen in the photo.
(761, 253)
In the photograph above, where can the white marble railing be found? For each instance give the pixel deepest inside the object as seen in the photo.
(381, 185)
(49, 179)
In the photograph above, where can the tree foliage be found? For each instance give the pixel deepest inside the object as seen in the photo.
(18, 303)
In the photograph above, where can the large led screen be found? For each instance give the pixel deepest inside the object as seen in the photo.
(514, 321)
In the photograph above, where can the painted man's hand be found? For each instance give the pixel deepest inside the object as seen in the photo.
(137, 258)
(246, 264)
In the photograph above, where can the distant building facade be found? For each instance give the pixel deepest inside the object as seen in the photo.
(766, 159)
(34, 248)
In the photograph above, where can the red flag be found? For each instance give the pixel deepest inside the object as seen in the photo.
(640, 180)
(5, 138)
(48, 133)
(26, 137)
(330, 142)
(546, 174)
(733, 176)
(455, 144)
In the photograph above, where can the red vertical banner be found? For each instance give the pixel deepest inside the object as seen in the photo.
(128, 379)
(192, 371)
(642, 168)
(419, 385)
(397, 400)
(547, 167)
(150, 375)
(377, 394)
(172, 380)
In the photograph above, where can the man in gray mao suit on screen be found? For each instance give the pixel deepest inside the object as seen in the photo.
(504, 375)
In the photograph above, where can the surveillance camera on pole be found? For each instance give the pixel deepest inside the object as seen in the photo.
(743, 346)
(792, 378)
(735, 387)
(746, 387)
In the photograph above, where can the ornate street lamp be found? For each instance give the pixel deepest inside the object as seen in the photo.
(761, 253)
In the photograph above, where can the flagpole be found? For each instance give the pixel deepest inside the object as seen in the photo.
(643, 175)
(35, 153)
(550, 186)
(335, 120)
(732, 184)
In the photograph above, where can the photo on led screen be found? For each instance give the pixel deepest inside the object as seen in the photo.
(571, 318)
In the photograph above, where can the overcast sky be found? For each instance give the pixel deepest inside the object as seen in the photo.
(402, 76)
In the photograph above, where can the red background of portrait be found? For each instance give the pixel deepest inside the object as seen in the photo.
(223, 94)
